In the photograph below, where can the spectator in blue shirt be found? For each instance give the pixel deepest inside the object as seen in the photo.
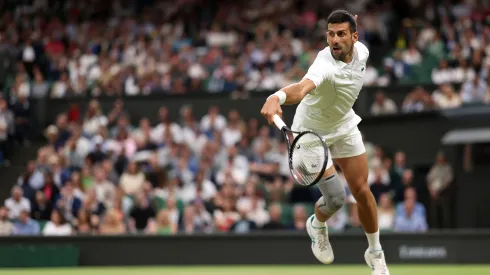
(25, 226)
(411, 220)
(410, 194)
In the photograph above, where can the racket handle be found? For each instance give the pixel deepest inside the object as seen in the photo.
(278, 122)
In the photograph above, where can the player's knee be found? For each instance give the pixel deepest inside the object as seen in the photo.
(361, 191)
(336, 202)
(332, 204)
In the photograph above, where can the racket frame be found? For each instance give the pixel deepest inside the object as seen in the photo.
(291, 140)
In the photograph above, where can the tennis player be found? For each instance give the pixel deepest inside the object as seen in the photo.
(326, 95)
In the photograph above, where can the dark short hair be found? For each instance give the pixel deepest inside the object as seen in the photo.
(343, 16)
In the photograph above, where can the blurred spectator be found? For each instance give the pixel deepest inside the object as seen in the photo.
(443, 74)
(104, 189)
(438, 181)
(94, 119)
(400, 164)
(203, 186)
(68, 203)
(112, 224)
(83, 224)
(132, 179)
(473, 91)
(17, 203)
(92, 205)
(189, 225)
(371, 76)
(25, 226)
(417, 100)
(386, 212)
(225, 216)
(354, 224)
(22, 111)
(213, 120)
(163, 224)
(97, 155)
(141, 214)
(446, 98)
(50, 189)
(203, 219)
(244, 224)
(7, 129)
(275, 212)
(42, 208)
(379, 185)
(299, 218)
(57, 226)
(410, 220)
(383, 105)
(6, 227)
(406, 182)
(412, 56)
(411, 194)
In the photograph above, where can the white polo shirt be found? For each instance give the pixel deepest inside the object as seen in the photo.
(327, 110)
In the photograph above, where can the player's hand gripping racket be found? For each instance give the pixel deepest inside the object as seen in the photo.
(308, 154)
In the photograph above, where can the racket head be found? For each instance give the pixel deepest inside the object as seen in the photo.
(308, 158)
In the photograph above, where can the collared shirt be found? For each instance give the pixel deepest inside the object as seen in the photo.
(337, 87)
(31, 227)
(414, 223)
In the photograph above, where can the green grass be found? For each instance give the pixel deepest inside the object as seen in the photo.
(258, 270)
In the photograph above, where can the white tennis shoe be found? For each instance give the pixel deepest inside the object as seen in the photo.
(376, 261)
(320, 245)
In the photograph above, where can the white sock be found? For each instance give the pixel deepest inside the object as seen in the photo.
(373, 240)
(317, 223)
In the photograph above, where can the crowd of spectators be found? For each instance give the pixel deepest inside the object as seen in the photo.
(74, 48)
(99, 174)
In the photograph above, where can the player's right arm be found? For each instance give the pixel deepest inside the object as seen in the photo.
(292, 94)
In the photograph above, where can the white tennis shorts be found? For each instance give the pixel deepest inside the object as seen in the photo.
(343, 141)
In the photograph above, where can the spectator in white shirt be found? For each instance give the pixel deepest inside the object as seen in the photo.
(132, 179)
(166, 127)
(94, 119)
(233, 130)
(371, 76)
(463, 72)
(236, 167)
(443, 74)
(57, 226)
(17, 203)
(445, 97)
(412, 56)
(213, 120)
(104, 189)
(201, 186)
(62, 87)
(383, 105)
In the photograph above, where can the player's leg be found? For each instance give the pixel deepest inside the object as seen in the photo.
(333, 197)
(349, 153)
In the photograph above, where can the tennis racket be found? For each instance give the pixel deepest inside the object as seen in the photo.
(308, 154)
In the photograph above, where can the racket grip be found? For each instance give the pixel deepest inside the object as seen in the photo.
(278, 122)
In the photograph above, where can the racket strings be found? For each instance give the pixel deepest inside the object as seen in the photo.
(308, 157)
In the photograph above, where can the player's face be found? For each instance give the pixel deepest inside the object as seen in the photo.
(341, 40)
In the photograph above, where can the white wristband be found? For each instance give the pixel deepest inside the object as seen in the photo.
(281, 95)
